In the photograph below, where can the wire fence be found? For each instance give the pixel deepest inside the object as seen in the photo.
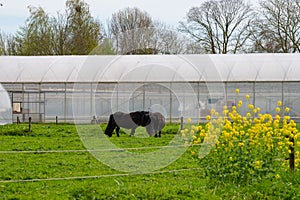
(99, 150)
(97, 176)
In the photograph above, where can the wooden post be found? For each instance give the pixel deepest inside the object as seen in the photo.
(29, 124)
(292, 154)
(18, 120)
(56, 120)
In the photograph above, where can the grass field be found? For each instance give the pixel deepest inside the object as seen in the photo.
(50, 162)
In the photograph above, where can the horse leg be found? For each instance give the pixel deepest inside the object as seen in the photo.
(132, 131)
(148, 129)
(117, 131)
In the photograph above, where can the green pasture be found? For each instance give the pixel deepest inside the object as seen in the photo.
(51, 162)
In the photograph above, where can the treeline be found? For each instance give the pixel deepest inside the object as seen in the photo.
(215, 26)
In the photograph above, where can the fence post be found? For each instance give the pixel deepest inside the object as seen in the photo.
(29, 124)
(18, 120)
(292, 154)
(56, 120)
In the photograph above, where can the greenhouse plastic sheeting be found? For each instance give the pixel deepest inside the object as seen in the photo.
(47, 87)
(151, 68)
(5, 107)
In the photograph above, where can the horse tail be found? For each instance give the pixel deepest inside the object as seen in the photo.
(162, 122)
(159, 123)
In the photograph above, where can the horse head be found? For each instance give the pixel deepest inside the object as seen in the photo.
(108, 132)
(110, 126)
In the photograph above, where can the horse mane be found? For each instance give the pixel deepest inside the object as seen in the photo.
(141, 118)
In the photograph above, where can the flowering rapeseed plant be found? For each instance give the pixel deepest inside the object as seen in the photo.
(249, 147)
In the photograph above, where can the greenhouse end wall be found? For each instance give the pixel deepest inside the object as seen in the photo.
(46, 102)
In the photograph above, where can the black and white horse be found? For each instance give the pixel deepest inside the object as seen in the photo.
(153, 122)
(127, 120)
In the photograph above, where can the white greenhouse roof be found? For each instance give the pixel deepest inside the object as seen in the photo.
(150, 68)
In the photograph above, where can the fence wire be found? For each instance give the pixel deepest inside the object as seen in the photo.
(97, 176)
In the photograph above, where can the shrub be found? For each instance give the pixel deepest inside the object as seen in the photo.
(247, 148)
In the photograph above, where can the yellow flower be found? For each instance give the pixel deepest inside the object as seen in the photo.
(279, 103)
(287, 109)
(182, 133)
(278, 109)
(195, 128)
(230, 158)
(233, 108)
(287, 118)
(237, 90)
(240, 104)
(212, 111)
(258, 164)
(251, 106)
(225, 112)
(208, 117)
(202, 133)
(247, 96)
(189, 120)
(241, 144)
(277, 176)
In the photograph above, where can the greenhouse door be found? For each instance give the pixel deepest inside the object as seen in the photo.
(28, 104)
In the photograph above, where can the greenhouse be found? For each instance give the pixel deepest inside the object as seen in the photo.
(89, 88)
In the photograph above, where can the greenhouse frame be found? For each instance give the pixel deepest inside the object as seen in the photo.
(90, 88)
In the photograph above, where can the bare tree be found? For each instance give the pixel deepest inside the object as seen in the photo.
(131, 30)
(220, 26)
(169, 40)
(278, 27)
(134, 32)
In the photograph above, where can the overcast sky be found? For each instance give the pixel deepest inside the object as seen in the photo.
(13, 13)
